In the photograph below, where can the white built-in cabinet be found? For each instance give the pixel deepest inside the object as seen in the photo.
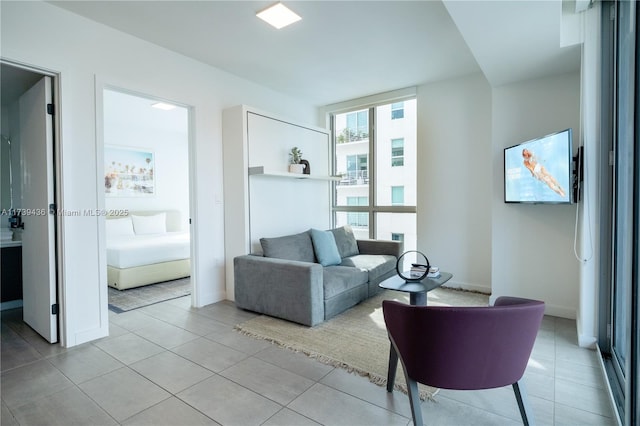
(261, 198)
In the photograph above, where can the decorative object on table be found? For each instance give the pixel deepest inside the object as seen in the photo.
(307, 168)
(434, 272)
(418, 270)
(295, 155)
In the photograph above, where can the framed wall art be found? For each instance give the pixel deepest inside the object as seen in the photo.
(129, 172)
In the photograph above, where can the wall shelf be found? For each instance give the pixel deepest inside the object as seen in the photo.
(260, 171)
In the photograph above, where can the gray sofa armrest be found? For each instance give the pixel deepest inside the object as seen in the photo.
(287, 289)
(393, 248)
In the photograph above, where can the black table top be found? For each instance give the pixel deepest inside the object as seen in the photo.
(427, 284)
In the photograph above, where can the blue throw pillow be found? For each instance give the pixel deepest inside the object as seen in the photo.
(324, 245)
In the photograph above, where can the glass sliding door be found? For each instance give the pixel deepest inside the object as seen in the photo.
(620, 119)
(623, 193)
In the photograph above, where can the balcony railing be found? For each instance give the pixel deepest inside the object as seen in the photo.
(348, 135)
(355, 177)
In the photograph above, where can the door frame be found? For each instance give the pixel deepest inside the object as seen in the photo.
(100, 85)
(58, 186)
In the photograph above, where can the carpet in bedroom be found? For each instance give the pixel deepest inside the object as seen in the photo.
(134, 298)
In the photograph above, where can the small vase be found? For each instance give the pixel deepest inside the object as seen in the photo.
(296, 168)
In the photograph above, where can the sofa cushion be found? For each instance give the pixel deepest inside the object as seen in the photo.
(324, 246)
(376, 265)
(290, 247)
(338, 279)
(346, 241)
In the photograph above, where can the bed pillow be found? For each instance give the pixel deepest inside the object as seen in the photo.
(119, 227)
(324, 245)
(154, 224)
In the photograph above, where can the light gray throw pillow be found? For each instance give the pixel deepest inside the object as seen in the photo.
(289, 247)
(345, 241)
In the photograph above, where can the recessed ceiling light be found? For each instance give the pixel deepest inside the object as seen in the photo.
(278, 15)
(163, 106)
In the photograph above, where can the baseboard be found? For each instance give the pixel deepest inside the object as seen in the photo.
(209, 298)
(585, 341)
(467, 286)
(549, 309)
(559, 311)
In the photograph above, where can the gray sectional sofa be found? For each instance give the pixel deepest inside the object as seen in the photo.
(294, 279)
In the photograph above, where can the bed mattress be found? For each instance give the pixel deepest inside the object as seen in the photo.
(129, 252)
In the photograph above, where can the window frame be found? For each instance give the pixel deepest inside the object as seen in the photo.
(373, 208)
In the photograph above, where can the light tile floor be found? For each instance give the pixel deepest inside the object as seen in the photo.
(169, 364)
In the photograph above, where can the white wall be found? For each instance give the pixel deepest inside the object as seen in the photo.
(295, 204)
(532, 245)
(464, 226)
(588, 248)
(455, 179)
(84, 52)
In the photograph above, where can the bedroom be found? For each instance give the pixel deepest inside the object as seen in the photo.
(146, 169)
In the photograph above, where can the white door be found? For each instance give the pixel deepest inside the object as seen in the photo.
(38, 237)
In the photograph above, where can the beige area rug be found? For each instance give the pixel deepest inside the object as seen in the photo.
(355, 340)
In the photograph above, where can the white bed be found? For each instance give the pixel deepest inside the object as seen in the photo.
(146, 247)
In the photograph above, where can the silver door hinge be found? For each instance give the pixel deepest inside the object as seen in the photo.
(612, 158)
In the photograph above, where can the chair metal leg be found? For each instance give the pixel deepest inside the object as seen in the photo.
(414, 400)
(523, 403)
(393, 365)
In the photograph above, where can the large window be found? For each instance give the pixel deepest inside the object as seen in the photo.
(376, 194)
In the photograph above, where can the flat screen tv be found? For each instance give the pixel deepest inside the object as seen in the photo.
(539, 170)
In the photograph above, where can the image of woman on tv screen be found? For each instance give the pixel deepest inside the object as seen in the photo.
(539, 172)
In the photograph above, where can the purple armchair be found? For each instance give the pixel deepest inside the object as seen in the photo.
(463, 347)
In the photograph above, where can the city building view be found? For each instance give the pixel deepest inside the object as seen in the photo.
(375, 155)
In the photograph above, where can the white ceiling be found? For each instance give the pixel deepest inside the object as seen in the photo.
(348, 49)
(133, 113)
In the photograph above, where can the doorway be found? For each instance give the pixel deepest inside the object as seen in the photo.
(145, 153)
(30, 173)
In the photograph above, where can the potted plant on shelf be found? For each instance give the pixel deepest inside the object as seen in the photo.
(295, 155)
